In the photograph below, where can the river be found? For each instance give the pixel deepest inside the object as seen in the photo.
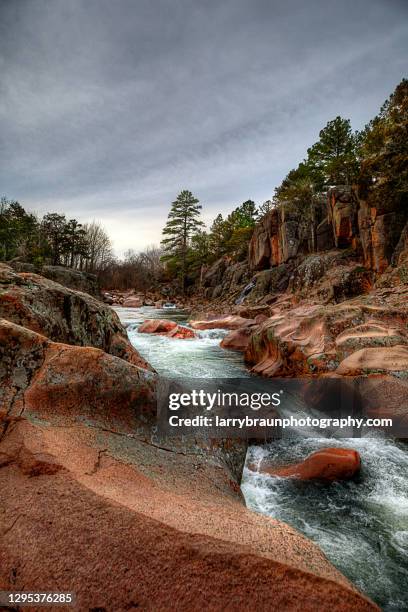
(361, 525)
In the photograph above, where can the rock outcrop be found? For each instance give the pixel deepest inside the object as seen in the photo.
(342, 208)
(264, 247)
(94, 501)
(238, 339)
(313, 339)
(225, 277)
(345, 219)
(74, 279)
(63, 314)
(327, 464)
(375, 360)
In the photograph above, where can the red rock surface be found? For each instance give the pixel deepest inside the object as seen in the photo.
(313, 339)
(238, 339)
(156, 326)
(375, 360)
(222, 322)
(326, 464)
(181, 332)
(166, 328)
(94, 502)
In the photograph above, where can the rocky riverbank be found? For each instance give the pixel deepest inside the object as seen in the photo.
(94, 502)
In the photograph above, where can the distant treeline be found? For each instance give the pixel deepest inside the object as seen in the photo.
(52, 239)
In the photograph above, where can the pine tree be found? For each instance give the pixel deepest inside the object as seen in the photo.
(182, 223)
(332, 159)
(384, 153)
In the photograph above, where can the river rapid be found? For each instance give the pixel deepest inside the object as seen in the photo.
(361, 525)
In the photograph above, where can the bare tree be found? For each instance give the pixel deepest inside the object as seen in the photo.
(99, 247)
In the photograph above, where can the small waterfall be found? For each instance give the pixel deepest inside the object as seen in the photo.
(246, 290)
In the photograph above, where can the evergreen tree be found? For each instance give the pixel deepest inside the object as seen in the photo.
(18, 229)
(182, 223)
(218, 237)
(53, 227)
(383, 152)
(74, 246)
(333, 158)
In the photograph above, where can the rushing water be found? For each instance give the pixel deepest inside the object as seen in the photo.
(198, 358)
(361, 525)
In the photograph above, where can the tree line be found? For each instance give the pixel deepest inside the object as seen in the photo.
(52, 239)
(375, 159)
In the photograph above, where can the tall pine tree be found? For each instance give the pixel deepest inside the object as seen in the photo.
(332, 159)
(182, 223)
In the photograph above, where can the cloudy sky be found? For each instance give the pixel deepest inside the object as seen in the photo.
(109, 108)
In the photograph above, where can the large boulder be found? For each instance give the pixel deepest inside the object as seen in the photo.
(63, 314)
(164, 327)
(327, 464)
(156, 326)
(94, 501)
(69, 381)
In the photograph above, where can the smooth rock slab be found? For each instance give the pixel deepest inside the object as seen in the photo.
(327, 464)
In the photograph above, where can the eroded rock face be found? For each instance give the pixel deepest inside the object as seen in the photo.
(380, 232)
(376, 360)
(327, 464)
(312, 340)
(224, 278)
(279, 237)
(264, 247)
(238, 339)
(330, 277)
(63, 314)
(78, 455)
(342, 206)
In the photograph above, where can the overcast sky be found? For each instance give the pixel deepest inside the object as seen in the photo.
(109, 108)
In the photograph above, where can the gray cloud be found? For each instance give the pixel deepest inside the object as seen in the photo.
(108, 109)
